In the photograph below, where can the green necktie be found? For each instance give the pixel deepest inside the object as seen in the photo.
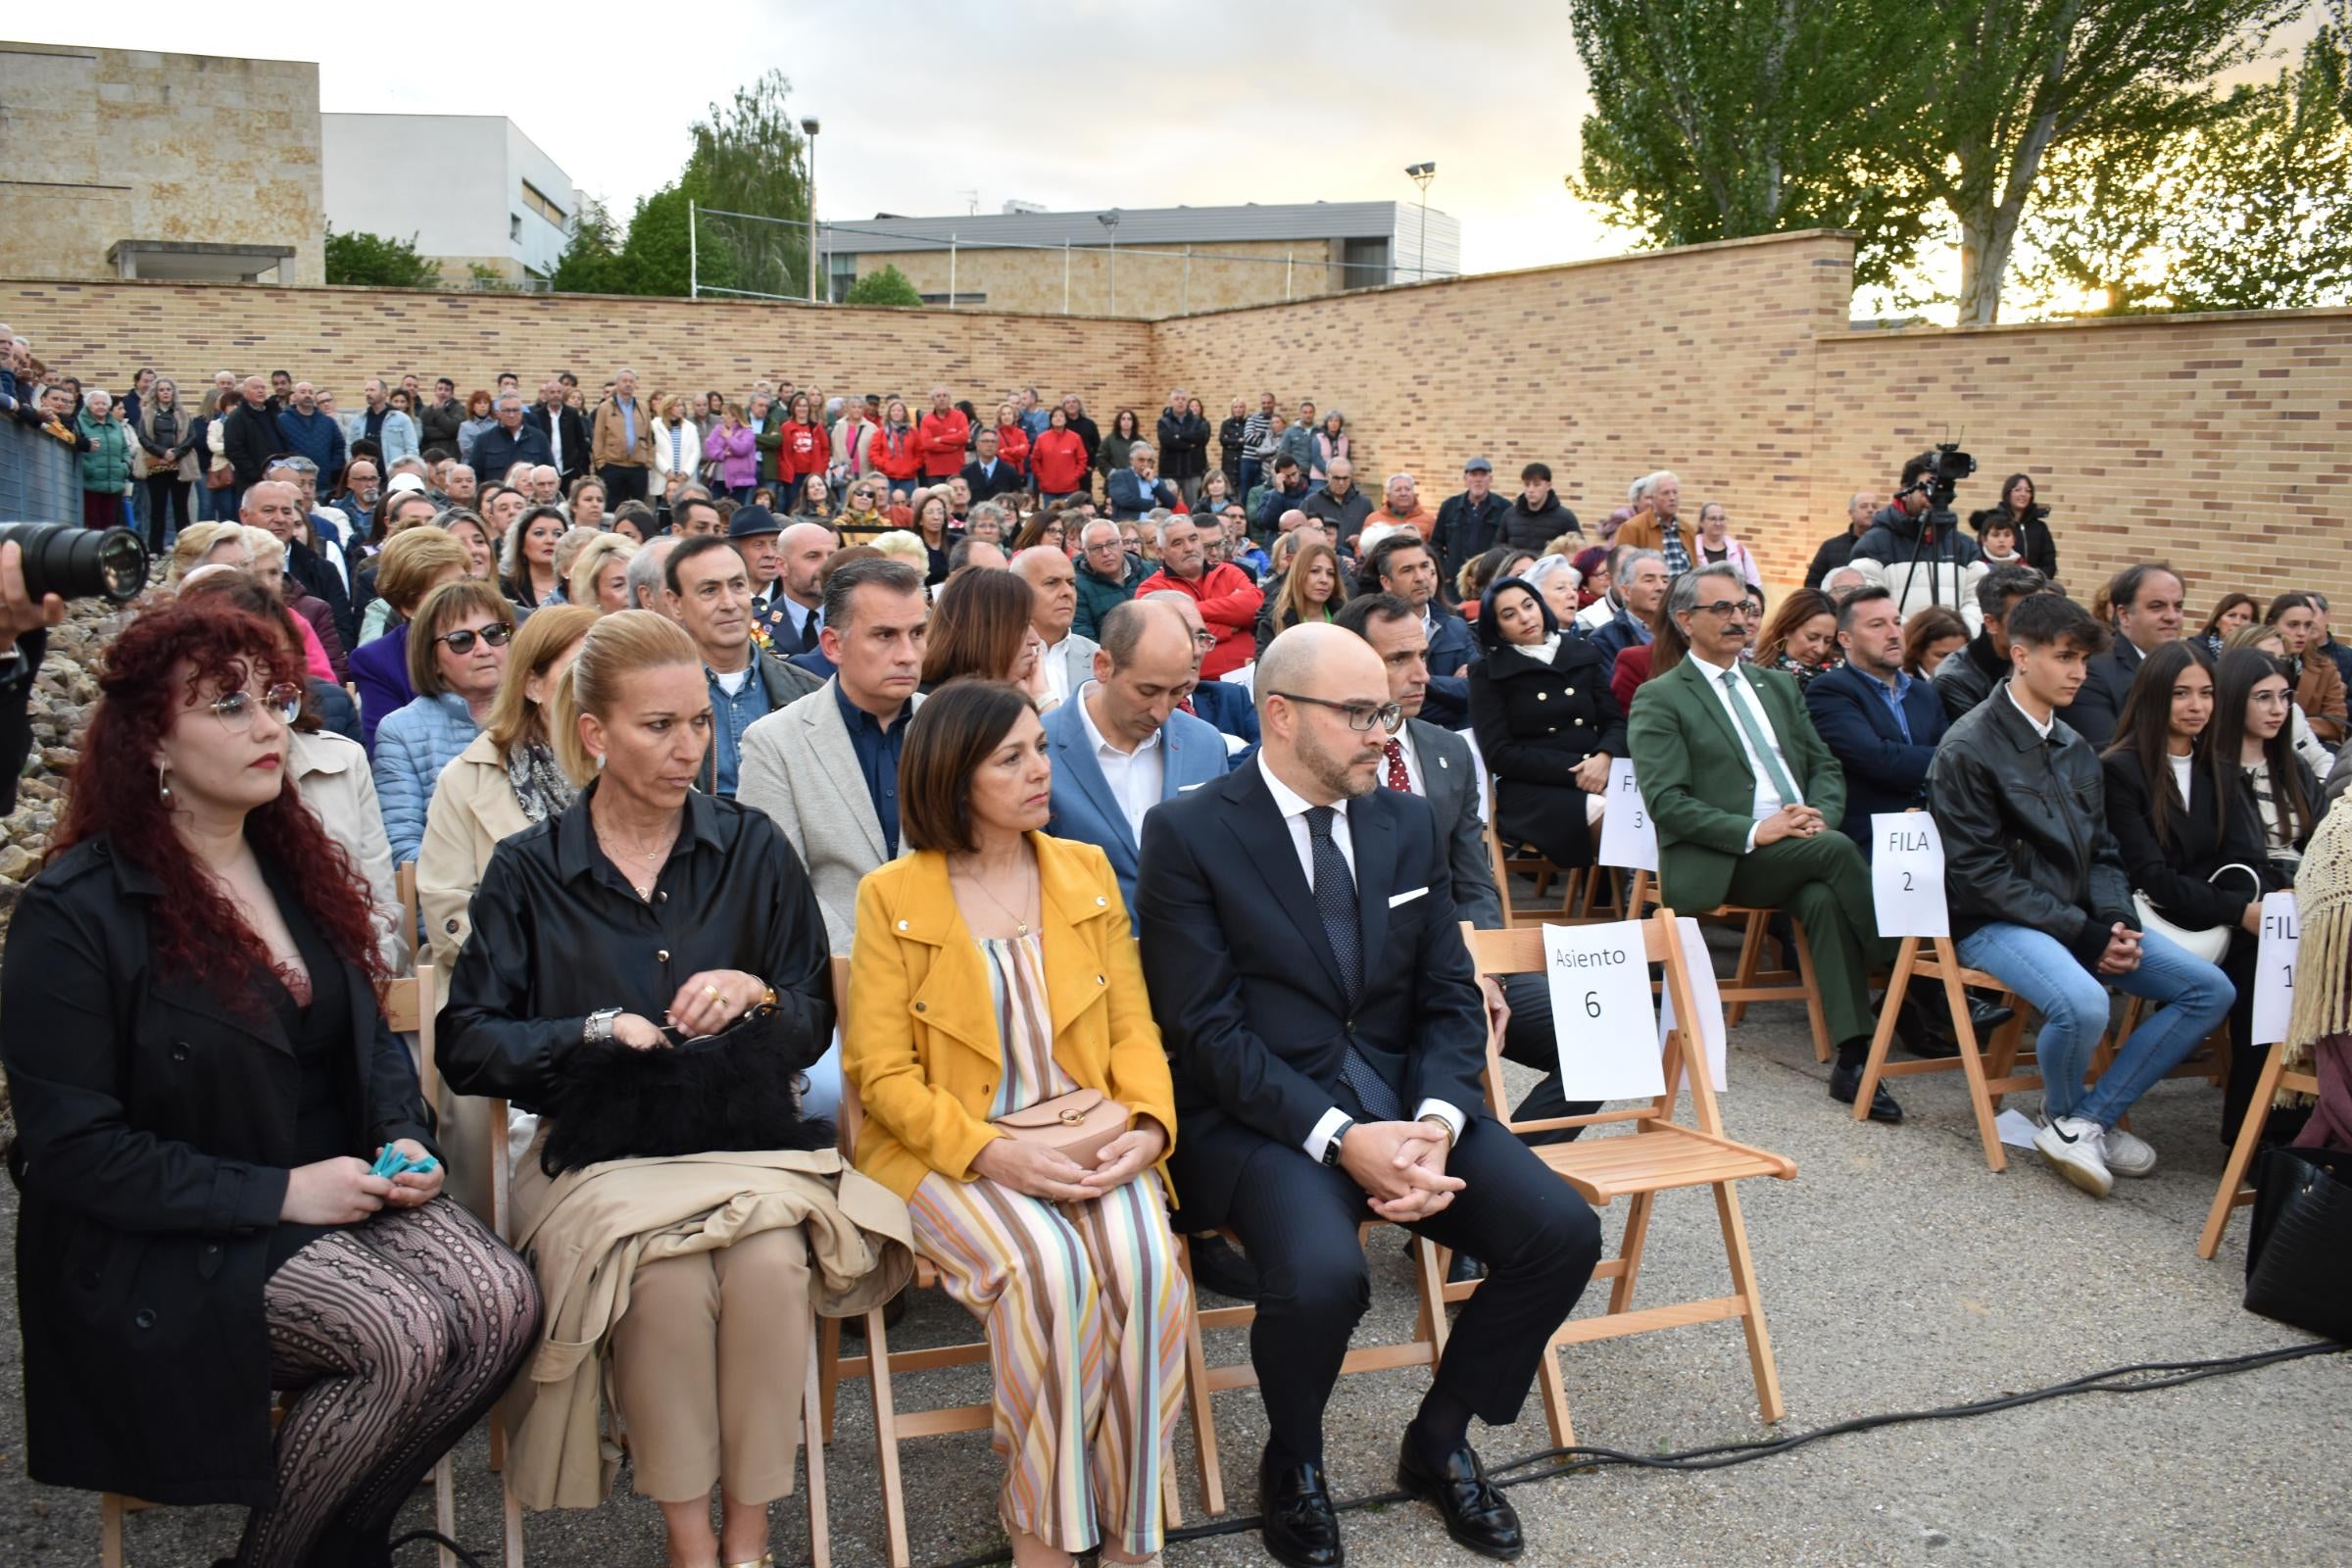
(1757, 738)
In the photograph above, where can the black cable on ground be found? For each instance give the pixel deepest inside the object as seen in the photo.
(1552, 1463)
(437, 1539)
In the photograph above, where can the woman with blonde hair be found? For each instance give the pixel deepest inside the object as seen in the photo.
(901, 544)
(1313, 588)
(208, 544)
(600, 573)
(994, 974)
(644, 915)
(677, 446)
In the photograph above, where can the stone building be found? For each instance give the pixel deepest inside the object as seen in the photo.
(131, 163)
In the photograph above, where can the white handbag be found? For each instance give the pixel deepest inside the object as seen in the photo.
(2209, 944)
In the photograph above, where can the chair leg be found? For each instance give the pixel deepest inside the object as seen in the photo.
(828, 1371)
(886, 1441)
(1814, 1016)
(1751, 1318)
(1555, 1400)
(1430, 1278)
(498, 1442)
(1195, 1374)
(110, 1530)
(1882, 1038)
(1743, 974)
(2241, 1152)
(445, 1504)
(1629, 1251)
(512, 1525)
(1972, 1064)
(812, 1449)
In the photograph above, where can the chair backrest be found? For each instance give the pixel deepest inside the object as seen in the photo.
(851, 1115)
(1499, 954)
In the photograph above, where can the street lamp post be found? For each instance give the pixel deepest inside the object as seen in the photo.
(1110, 225)
(809, 127)
(1421, 174)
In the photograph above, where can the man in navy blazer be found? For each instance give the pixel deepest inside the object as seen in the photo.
(1405, 565)
(1298, 935)
(1137, 487)
(1121, 744)
(1880, 723)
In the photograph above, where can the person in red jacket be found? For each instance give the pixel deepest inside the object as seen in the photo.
(898, 450)
(946, 433)
(803, 446)
(1229, 601)
(1012, 439)
(1058, 460)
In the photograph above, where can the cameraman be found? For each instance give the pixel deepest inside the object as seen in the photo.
(1916, 550)
(24, 623)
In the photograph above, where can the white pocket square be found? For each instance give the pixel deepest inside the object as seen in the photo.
(1408, 898)
(1186, 788)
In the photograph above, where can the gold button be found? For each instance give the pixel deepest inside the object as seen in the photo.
(1100, 901)
(922, 1006)
(901, 925)
(661, 954)
(1099, 980)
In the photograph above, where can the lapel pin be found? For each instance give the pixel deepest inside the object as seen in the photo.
(1445, 762)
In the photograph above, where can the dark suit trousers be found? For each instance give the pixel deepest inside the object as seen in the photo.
(1528, 1039)
(624, 482)
(1297, 1222)
(1825, 883)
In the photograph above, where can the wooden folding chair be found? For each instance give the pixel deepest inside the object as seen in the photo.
(1660, 1154)
(1577, 886)
(2235, 1190)
(1205, 1381)
(1748, 981)
(891, 1424)
(1986, 1085)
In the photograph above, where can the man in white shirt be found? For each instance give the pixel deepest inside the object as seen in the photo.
(1068, 658)
(1746, 799)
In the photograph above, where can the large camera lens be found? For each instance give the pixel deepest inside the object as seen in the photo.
(1952, 467)
(75, 563)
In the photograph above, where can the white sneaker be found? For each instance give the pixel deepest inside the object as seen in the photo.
(2076, 1147)
(2127, 1156)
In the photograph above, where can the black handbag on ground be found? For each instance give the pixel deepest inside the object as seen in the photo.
(735, 1090)
(2299, 1255)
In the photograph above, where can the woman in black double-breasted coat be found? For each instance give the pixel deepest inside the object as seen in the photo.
(1545, 724)
(201, 1081)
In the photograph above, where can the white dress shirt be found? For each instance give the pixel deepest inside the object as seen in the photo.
(2041, 727)
(1056, 661)
(1137, 778)
(1294, 807)
(1767, 799)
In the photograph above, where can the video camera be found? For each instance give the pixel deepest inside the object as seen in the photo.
(1947, 465)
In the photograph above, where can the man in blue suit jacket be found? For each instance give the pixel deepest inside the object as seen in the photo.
(1137, 488)
(1879, 722)
(1405, 565)
(1120, 744)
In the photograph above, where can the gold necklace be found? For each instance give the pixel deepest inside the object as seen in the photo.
(651, 857)
(1019, 925)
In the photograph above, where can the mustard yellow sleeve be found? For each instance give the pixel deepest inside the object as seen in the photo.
(878, 1051)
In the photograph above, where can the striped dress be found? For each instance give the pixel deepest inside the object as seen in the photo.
(1084, 1304)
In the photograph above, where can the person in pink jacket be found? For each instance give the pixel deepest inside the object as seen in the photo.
(735, 446)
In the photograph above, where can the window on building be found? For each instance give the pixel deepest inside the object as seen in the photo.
(535, 200)
(959, 296)
(513, 225)
(1365, 262)
(841, 271)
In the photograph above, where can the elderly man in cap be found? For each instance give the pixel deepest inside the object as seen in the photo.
(1469, 524)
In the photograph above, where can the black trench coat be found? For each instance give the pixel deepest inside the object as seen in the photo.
(153, 1129)
(1534, 722)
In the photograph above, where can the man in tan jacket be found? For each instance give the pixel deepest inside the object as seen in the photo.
(621, 446)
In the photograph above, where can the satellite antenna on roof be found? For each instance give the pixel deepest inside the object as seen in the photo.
(971, 202)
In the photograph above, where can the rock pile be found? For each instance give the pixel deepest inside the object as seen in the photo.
(61, 696)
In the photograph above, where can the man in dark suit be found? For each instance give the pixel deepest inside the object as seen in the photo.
(1297, 930)
(510, 441)
(565, 431)
(1880, 723)
(2147, 603)
(1403, 566)
(989, 475)
(1746, 798)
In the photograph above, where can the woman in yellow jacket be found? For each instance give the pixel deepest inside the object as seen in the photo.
(993, 969)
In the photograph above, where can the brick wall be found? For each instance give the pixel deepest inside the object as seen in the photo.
(2221, 442)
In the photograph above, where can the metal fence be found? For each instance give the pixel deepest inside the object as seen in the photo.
(40, 478)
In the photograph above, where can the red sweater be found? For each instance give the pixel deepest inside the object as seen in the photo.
(1059, 460)
(897, 454)
(1229, 605)
(1012, 446)
(943, 437)
(802, 450)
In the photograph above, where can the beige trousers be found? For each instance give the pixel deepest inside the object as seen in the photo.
(710, 1363)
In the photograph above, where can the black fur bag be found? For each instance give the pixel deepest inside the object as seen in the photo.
(735, 1090)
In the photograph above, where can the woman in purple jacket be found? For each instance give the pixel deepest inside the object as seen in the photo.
(736, 447)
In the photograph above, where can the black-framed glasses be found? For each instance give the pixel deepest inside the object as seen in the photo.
(1727, 608)
(497, 634)
(235, 709)
(1361, 716)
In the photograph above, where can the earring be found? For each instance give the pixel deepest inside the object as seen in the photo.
(162, 786)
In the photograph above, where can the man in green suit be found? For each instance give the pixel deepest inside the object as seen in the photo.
(1748, 800)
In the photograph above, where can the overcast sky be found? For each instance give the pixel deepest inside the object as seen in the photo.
(1077, 103)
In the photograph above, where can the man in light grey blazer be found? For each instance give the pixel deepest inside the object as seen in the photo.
(1120, 744)
(826, 767)
(1069, 659)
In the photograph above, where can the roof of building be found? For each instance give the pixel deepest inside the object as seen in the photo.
(1138, 225)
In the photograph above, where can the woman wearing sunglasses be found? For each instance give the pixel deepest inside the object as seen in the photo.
(201, 1083)
(456, 653)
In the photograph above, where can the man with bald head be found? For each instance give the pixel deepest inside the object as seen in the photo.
(1069, 659)
(1123, 742)
(792, 606)
(1298, 934)
(1222, 702)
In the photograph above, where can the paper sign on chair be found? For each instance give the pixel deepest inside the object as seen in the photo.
(1602, 1017)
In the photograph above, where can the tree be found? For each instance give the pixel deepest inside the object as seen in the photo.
(889, 286)
(2014, 82)
(749, 158)
(1722, 119)
(591, 259)
(359, 257)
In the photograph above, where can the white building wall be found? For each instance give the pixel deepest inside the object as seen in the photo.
(453, 182)
(542, 243)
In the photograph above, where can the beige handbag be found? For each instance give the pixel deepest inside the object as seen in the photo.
(1077, 1124)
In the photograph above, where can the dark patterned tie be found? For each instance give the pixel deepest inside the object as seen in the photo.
(1399, 777)
(1335, 903)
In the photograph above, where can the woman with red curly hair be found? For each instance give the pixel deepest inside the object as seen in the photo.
(201, 1080)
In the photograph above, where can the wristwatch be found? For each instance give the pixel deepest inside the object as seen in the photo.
(599, 1027)
(1331, 1145)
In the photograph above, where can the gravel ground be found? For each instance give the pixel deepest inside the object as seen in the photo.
(1898, 1273)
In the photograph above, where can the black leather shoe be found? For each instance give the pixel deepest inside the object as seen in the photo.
(1986, 1016)
(1463, 1269)
(1923, 1032)
(1298, 1522)
(1476, 1514)
(1846, 1082)
(1217, 1267)
(894, 1312)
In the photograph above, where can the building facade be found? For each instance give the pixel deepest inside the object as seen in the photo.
(1148, 262)
(132, 162)
(472, 190)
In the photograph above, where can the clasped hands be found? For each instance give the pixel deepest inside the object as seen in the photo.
(1790, 822)
(1051, 1175)
(704, 1004)
(2123, 951)
(1402, 1167)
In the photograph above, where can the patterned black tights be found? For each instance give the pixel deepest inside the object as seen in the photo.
(401, 1331)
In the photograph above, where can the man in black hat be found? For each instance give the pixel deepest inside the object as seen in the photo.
(1468, 524)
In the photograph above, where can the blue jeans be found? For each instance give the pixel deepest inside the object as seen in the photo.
(2192, 998)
